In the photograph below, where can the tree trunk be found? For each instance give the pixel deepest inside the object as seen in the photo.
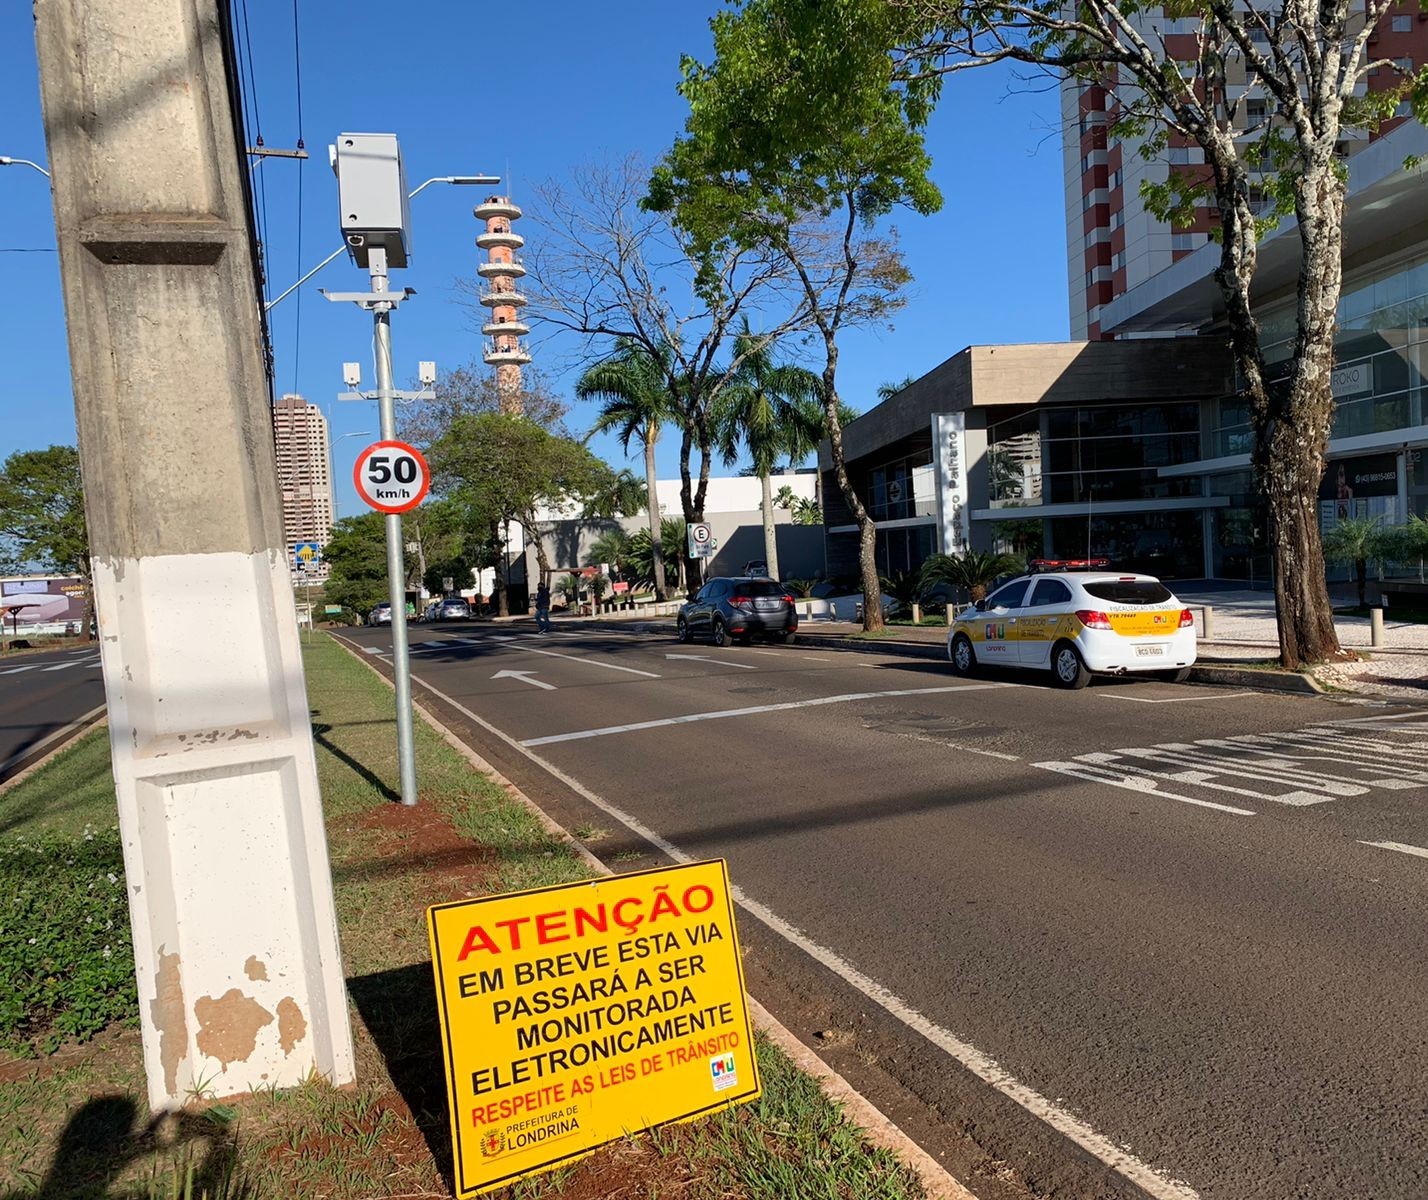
(498, 584)
(688, 567)
(770, 533)
(1291, 431)
(1293, 442)
(656, 546)
(529, 524)
(867, 529)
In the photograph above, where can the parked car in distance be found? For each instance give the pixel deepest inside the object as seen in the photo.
(739, 609)
(757, 568)
(381, 615)
(453, 608)
(1076, 623)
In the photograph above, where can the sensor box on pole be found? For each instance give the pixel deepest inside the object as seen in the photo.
(372, 193)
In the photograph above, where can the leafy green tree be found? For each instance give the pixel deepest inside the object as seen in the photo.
(1305, 68)
(798, 142)
(500, 468)
(771, 408)
(356, 556)
(42, 522)
(1406, 543)
(972, 571)
(632, 384)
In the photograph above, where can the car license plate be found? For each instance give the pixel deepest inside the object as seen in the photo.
(1149, 651)
(768, 605)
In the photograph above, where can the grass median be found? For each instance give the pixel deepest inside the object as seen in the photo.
(73, 1121)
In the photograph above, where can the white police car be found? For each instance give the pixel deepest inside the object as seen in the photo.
(1077, 622)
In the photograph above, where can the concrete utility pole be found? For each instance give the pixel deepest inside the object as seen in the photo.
(230, 894)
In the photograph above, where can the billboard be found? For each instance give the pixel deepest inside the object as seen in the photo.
(1359, 487)
(58, 603)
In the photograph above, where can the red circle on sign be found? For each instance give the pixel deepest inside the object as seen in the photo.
(364, 485)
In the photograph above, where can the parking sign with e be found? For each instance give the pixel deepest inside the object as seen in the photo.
(391, 476)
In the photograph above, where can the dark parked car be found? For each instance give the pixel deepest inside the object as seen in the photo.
(453, 608)
(740, 609)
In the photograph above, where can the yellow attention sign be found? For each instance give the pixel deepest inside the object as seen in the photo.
(572, 1016)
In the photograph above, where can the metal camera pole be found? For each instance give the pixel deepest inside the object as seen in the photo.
(396, 562)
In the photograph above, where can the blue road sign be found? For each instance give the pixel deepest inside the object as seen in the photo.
(307, 555)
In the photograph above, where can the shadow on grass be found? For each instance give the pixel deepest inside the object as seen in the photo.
(104, 1138)
(398, 1008)
(319, 735)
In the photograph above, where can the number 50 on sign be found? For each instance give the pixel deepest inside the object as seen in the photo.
(391, 476)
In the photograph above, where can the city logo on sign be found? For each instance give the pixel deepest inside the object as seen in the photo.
(723, 1074)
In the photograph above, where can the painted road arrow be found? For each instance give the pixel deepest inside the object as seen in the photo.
(723, 662)
(525, 677)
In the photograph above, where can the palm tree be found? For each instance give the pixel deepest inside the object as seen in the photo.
(672, 538)
(636, 402)
(974, 571)
(886, 391)
(1354, 542)
(769, 407)
(613, 548)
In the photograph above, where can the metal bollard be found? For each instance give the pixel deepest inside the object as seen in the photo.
(1207, 613)
(1376, 625)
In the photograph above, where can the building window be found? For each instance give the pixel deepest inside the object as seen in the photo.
(1404, 64)
(1404, 109)
(1402, 23)
(1184, 241)
(1180, 154)
(1117, 179)
(1118, 260)
(1256, 110)
(1118, 218)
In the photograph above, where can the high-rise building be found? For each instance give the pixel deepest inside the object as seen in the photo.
(505, 351)
(1113, 242)
(304, 473)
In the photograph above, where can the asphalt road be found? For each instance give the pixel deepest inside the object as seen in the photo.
(42, 694)
(1141, 939)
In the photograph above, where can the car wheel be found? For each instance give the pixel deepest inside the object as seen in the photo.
(964, 658)
(681, 630)
(1067, 669)
(721, 635)
(1178, 675)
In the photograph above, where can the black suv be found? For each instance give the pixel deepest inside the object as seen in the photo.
(740, 609)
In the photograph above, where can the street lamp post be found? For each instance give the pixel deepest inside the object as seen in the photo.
(336, 505)
(461, 180)
(7, 161)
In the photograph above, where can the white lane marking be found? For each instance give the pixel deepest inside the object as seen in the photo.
(723, 662)
(1401, 847)
(17, 670)
(1200, 777)
(1418, 716)
(374, 650)
(64, 666)
(1134, 782)
(525, 677)
(986, 1068)
(922, 737)
(590, 662)
(1107, 695)
(581, 734)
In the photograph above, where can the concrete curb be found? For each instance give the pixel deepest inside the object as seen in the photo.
(876, 1126)
(91, 719)
(1257, 678)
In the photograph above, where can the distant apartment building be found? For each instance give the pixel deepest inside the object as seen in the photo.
(305, 475)
(1113, 242)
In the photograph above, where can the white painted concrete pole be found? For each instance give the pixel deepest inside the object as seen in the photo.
(1376, 625)
(230, 895)
(396, 560)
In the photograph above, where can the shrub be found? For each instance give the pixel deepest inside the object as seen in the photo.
(66, 964)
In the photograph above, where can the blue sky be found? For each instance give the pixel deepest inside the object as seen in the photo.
(582, 82)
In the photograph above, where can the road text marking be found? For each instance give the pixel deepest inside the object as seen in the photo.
(525, 677)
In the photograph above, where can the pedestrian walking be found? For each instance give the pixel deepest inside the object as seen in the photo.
(542, 608)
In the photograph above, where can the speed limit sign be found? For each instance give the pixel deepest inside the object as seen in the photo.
(391, 476)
